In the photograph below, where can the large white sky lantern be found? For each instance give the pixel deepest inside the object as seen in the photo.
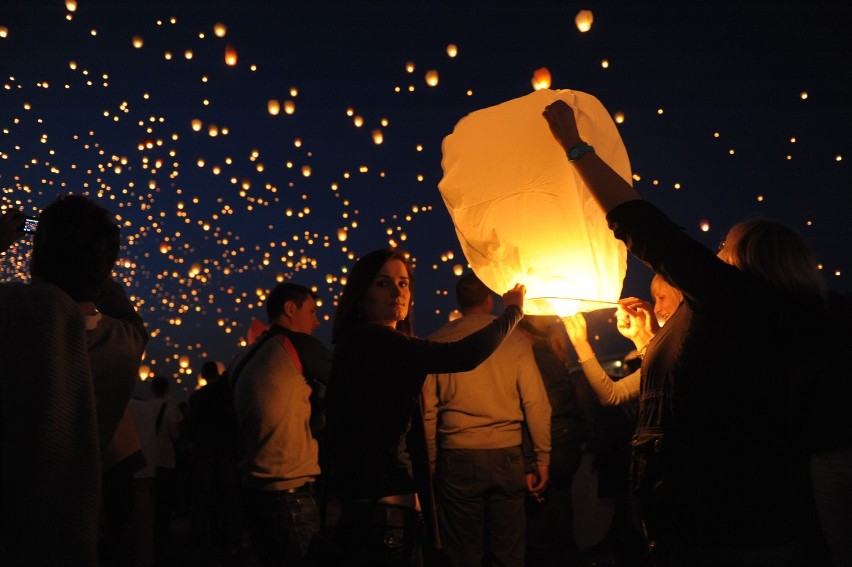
(521, 211)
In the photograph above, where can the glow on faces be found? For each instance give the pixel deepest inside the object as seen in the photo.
(304, 318)
(388, 297)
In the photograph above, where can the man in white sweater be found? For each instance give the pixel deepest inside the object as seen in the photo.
(474, 423)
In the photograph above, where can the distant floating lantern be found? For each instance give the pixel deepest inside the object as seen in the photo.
(164, 248)
(618, 117)
(409, 66)
(342, 235)
(71, 5)
(274, 107)
(196, 125)
(138, 42)
(4, 32)
(378, 138)
(212, 130)
(541, 79)
(144, 372)
(704, 225)
(521, 212)
(452, 50)
(804, 95)
(230, 55)
(432, 78)
(605, 64)
(219, 30)
(584, 20)
(458, 269)
(183, 361)
(306, 170)
(359, 121)
(289, 107)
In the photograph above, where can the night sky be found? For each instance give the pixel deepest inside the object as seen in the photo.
(729, 113)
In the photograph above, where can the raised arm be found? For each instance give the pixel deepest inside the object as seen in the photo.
(608, 188)
(608, 391)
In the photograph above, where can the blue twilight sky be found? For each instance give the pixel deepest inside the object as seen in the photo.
(730, 111)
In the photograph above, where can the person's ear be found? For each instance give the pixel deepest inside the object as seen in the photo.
(290, 308)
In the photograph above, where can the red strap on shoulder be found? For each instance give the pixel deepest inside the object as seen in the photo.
(291, 350)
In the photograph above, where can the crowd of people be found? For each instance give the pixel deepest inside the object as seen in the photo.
(728, 444)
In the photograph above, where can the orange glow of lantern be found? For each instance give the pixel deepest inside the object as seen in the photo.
(306, 171)
(378, 138)
(289, 107)
(144, 372)
(274, 107)
(219, 30)
(618, 117)
(704, 225)
(584, 20)
(4, 32)
(342, 234)
(196, 125)
(541, 79)
(138, 42)
(183, 361)
(432, 78)
(71, 5)
(452, 50)
(230, 55)
(521, 212)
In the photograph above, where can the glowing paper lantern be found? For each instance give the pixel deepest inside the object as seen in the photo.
(230, 55)
(521, 211)
(138, 42)
(432, 78)
(274, 107)
(584, 20)
(541, 79)
(219, 30)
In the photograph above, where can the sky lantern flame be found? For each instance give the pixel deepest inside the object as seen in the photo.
(432, 78)
(541, 79)
(274, 107)
(584, 20)
(220, 29)
(230, 55)
(138, 42)
(523, 215)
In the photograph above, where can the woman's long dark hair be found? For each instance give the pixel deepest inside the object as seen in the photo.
(350, 308)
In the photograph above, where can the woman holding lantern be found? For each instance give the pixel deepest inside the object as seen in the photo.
(635, 322)
(377, 373)
(711, 447)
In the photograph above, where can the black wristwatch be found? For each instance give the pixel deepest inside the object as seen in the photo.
(579, 150)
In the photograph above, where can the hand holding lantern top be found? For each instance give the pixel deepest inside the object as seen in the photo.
(563, 124)
(515, 296)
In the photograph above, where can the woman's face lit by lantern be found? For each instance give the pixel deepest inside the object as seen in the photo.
(666, 301)
(389, 296)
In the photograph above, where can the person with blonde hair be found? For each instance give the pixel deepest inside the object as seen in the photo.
(634, 321)
(713, 438)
